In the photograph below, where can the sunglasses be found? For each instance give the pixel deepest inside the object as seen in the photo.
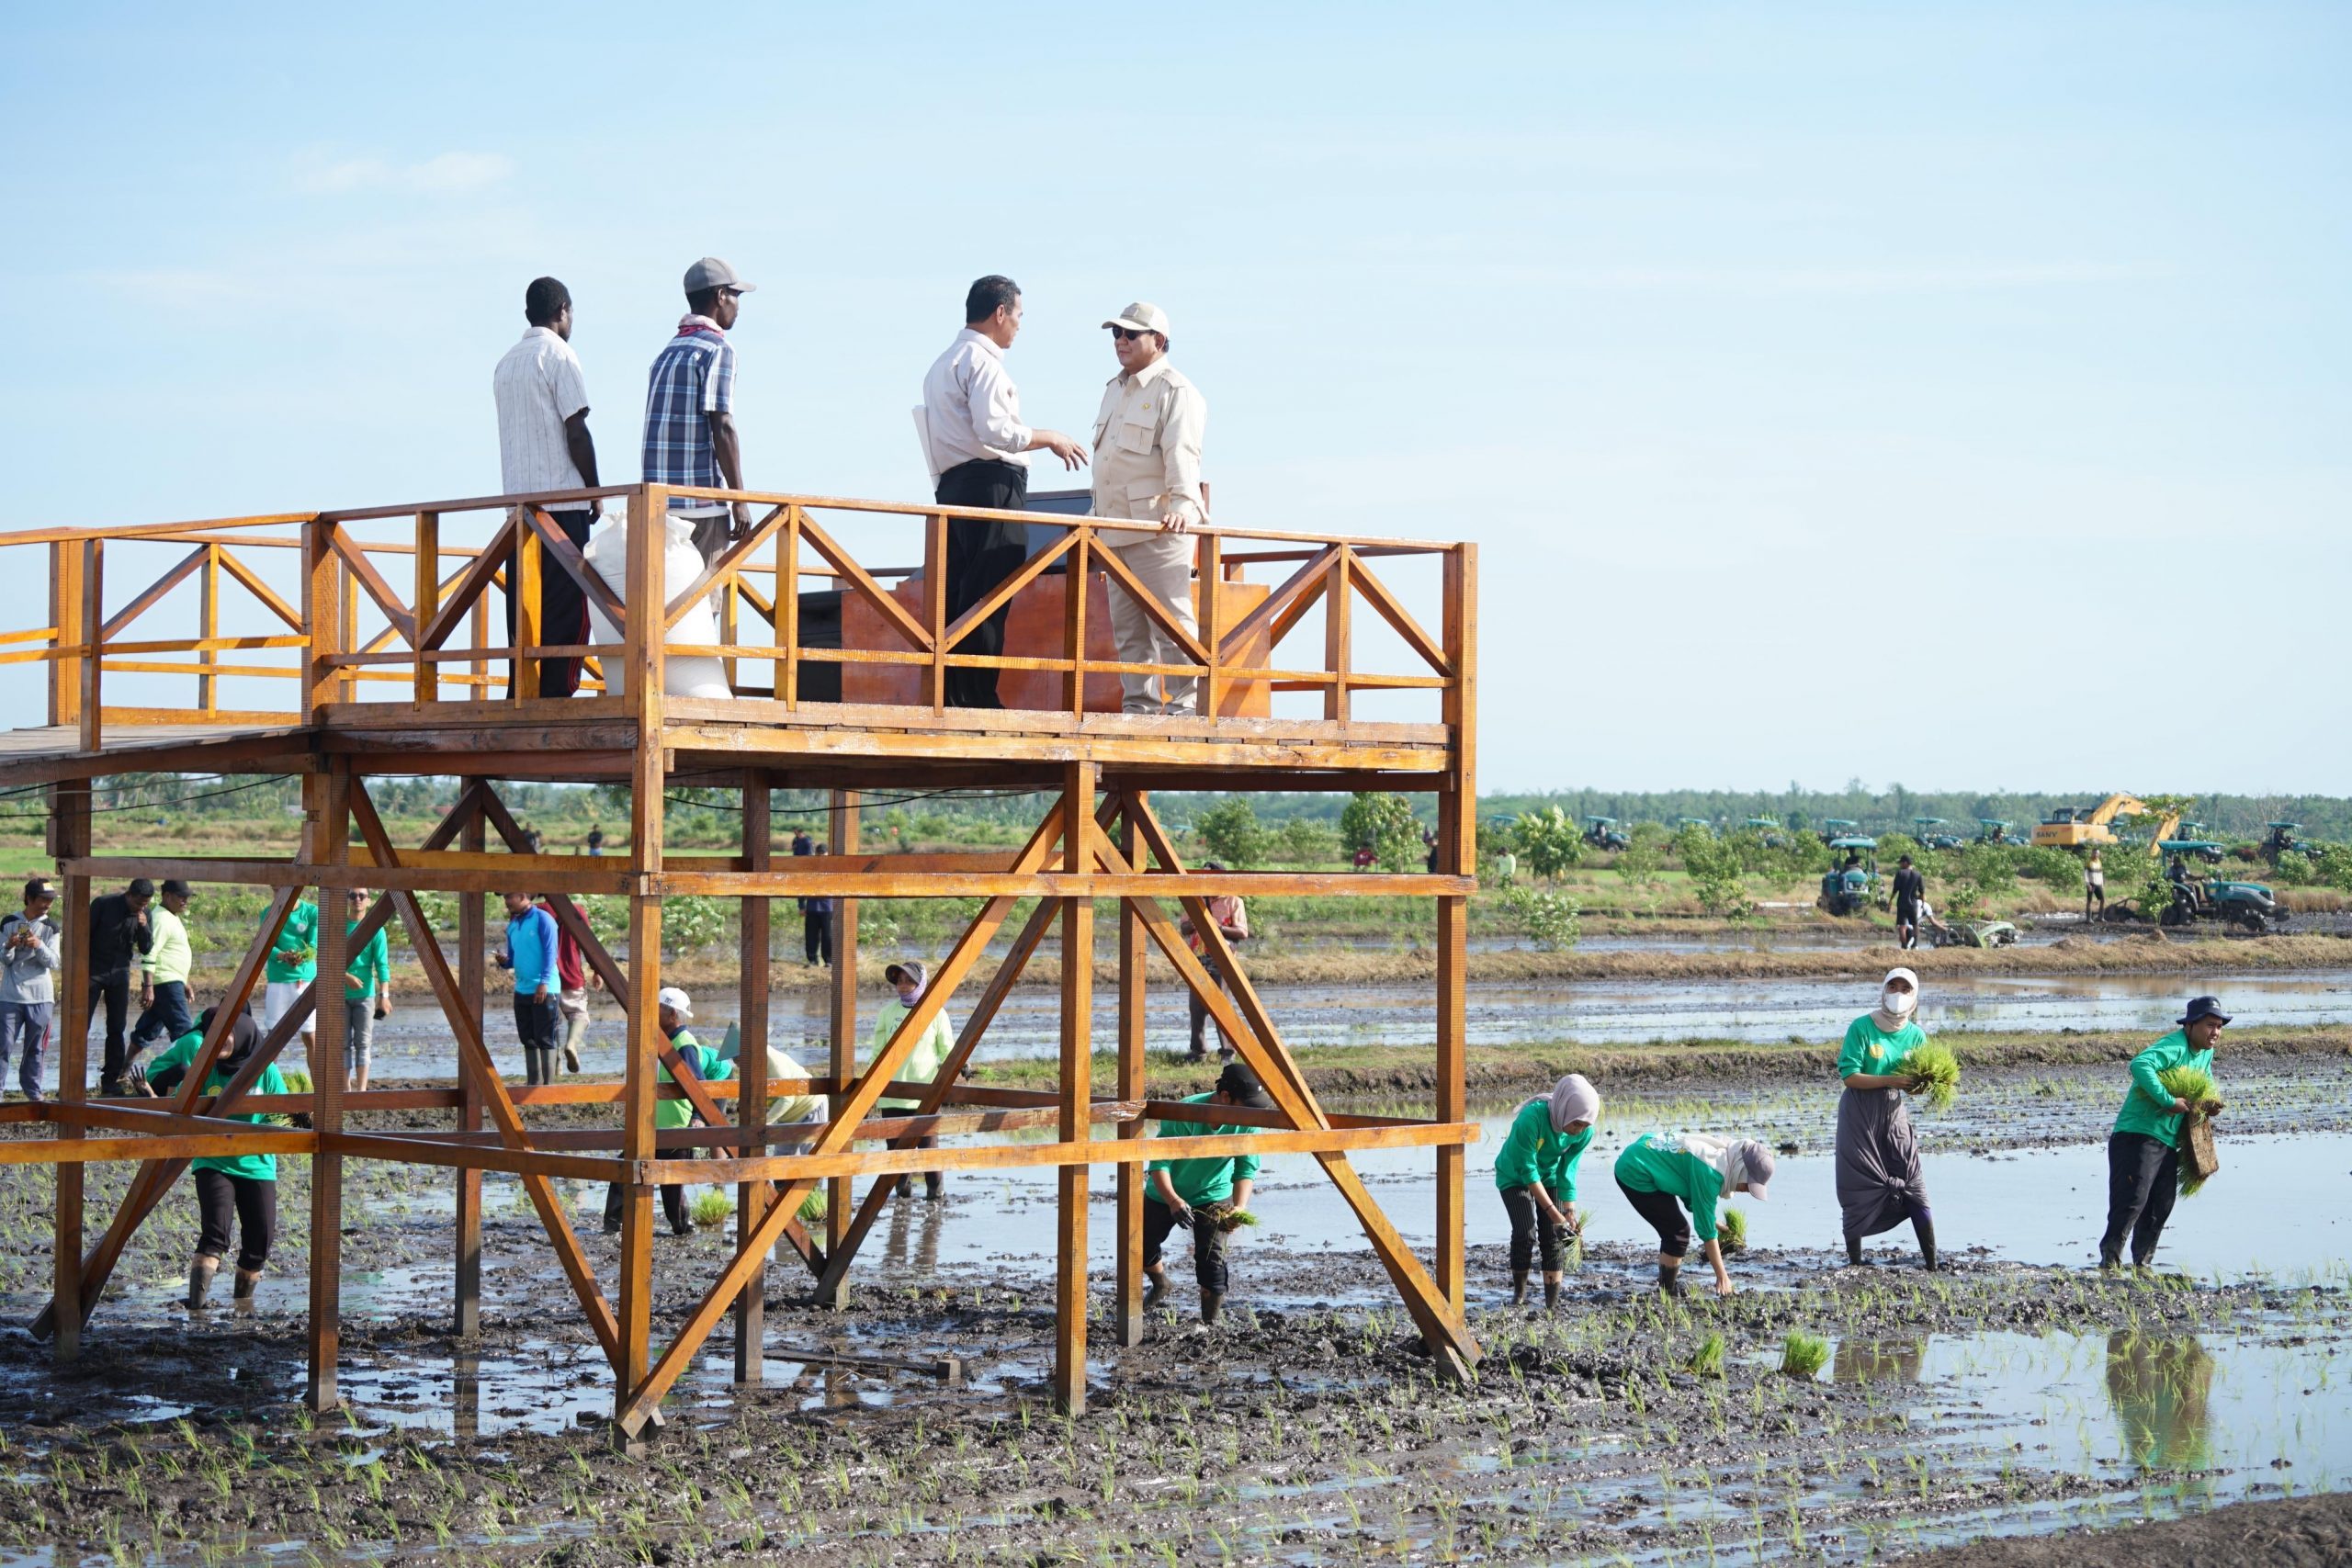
(1123, 335)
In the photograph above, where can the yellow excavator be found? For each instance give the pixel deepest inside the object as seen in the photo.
(2077, 827)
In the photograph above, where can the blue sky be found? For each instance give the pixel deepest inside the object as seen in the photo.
(1954, 395)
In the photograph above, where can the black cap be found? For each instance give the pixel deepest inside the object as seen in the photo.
(174, 885)
(2202, 1008)
(1240, 1085)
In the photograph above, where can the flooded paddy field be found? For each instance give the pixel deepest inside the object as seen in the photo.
(2014, 1392)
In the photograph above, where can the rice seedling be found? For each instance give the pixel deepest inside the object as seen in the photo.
(1804, 1355)
(1708, 1362)
(712, 1208)
(1731, 1230)
(1235, 1219)
(1936, 1064)
(812, 1211)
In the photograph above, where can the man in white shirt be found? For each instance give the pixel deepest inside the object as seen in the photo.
(1148, 467)
(543, 444)
(972, 411)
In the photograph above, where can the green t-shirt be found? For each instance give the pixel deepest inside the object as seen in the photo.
(1657, 1162)
(1209, 1179)
(2148, 1108)
(372, 963)
(706, 1065)
(922, 1063)
(1869, 1049)
(1532, 1152)
(300, 935)
(256, 1167)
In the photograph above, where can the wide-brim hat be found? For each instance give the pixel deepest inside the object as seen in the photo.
(909, 969)
(2202, 1008)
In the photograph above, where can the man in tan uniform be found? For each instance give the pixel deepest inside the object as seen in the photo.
(1148, 467)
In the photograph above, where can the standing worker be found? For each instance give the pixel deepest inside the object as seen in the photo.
(1879, 1184)
(1662, 1173)
(907, 978)
(973, 436)
(1148, 467)
(816, 914)
(1198, 1194)
(242, 1189)
(2143, 1151)
(690, 435)
(29, 964)
(2094, 886)
(163, 1015)
(366, 993)
(293, 964)
(673, 1010)
(530, 953)
(572, 979)
(1910, 893)
(120, 937)
(544, 444)
(1535, 1170)
(1232, 918)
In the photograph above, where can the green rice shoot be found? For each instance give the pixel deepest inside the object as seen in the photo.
(1731, 1230)
(1804, 1355)
(1572, 1256)
(2194, 1085)
(1708, 1361)
(812, 1207)
(1235, 1219)
(712, 1208)
(1935, 1063)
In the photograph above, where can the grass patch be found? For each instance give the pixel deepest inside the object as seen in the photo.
(1708, 1360)
(1804, 1355)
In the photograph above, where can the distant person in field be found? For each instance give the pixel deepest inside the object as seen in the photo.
(164, 1013)
(120, 937)
(690, 435)
(543, 444)
(1232, 918)
(972, 423)
(30, 959)
(1148, 467)
(2094, 886)
(293, 965)
(816, 914)
(1910, 893)
(595, 839)
(366, 993)
(531, 954)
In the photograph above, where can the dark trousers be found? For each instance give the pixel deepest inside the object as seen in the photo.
(252, 1203)
(1208, 1244)
(563, 609)
(114, 992)
(1665, 1217)
(1529, 1226)
(535, 1024)
(673, 1202)
(980, 555)
(1200, 1008)
(817, 936)
(2143, 1180)
(167, 1020)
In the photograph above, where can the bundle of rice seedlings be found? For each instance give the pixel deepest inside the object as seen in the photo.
(712, 1208)
(812, 1207)
(1935, 1063)
(295, 957)
(1731, 1230)
(2194, 1085)
(1572, 1256)
(1232, 1220)
(1804, 1355)
(1708, 1362)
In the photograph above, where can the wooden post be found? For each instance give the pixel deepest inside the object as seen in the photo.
(842, 840)
(788, 609)
(473, 941)
(1076, 1093)
(208, 625)
(428, 601)
(478, 689)
(523, 588)
(1212, 687)
(1077, 584)
(70, 838)
(329, 794)
(1452, 966)
(1133, 949)
(648, 777)
(93, 633)
(322, 617)
(65, 560)
(1458, 855)
(751, 1067)
(1337, 601)
(934, 608)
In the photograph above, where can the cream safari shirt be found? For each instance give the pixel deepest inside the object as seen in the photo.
(1148, 446)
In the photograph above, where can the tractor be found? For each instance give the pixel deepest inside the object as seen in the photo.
(2279, 840)
(1602, 833)
(1836, 827)
(1993, 830)
(1769, 830)
(1850, 885)
(1934, 833)
(2246, 905)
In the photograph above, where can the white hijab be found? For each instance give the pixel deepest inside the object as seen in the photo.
(1888, 1023)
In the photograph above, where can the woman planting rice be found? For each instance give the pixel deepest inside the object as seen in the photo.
(239, 1189)
(1536, 1173)
(1879, 1185)
(2143, 1151)
(1661, 1173)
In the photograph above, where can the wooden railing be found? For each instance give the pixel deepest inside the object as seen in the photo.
(409, 620)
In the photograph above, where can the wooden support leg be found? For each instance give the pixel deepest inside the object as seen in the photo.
(1453, 966)
(70, 835)
(473, 940)
(1128, 1315)
(751, 1069)
(330, 834)
(833, 1290)
(1077, 1093)
(644, 1043)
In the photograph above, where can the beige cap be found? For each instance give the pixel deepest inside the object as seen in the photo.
(1141, 317)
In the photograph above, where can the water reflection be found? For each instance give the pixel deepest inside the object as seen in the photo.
(1859, 1362)
(926, 1227)
(2161, 1390)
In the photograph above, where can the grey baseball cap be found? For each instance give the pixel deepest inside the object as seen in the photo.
(712, 273)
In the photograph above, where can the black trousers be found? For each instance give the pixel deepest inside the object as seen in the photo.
(817, 936)
(1666, 1217)
(113, 992)
(1208, 1244)
(1200, 1011)
(2143, 1180)
(1529, 1226)
(981, 555)
(168, 1018)
(563, 609)
(674, 1200)
(250, 1202)
(537, 1025)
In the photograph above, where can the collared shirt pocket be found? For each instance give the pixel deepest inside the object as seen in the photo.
(1137, 435)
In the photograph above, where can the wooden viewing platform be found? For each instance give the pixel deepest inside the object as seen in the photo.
(838, 671)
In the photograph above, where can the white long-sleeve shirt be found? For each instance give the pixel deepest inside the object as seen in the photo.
(972, 406)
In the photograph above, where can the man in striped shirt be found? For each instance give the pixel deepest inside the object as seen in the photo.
(690, 406)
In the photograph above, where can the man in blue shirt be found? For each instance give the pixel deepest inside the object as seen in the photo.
(531, 954)
(690, 406)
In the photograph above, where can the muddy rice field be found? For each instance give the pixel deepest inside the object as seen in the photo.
(2007, 1399)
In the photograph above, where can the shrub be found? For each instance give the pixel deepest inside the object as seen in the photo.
(1304, 841)
(1231, 833)
(1715, 874)
(2058, 868)
(1552, 920)
(1804, 1355)
(1640, 862)
(1548, 840)
(1387, 825)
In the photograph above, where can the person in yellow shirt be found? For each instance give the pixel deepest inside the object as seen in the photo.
(907, 978)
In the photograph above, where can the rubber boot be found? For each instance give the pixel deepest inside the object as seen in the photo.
(546, 1063)
(1924, 1228)
(575, 1029)
(1155, 1288)
(935, 1185)
(1519, 1288)
(1550, 1292)
(247, 1279)
(1669, 1279)
(1212, 1307)
(199, 1280)
(906, 1186)
(1853, 1251)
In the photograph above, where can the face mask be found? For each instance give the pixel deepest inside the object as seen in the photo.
(907, 997)
(1898, 1002)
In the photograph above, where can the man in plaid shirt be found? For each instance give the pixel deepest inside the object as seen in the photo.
(690, 406)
